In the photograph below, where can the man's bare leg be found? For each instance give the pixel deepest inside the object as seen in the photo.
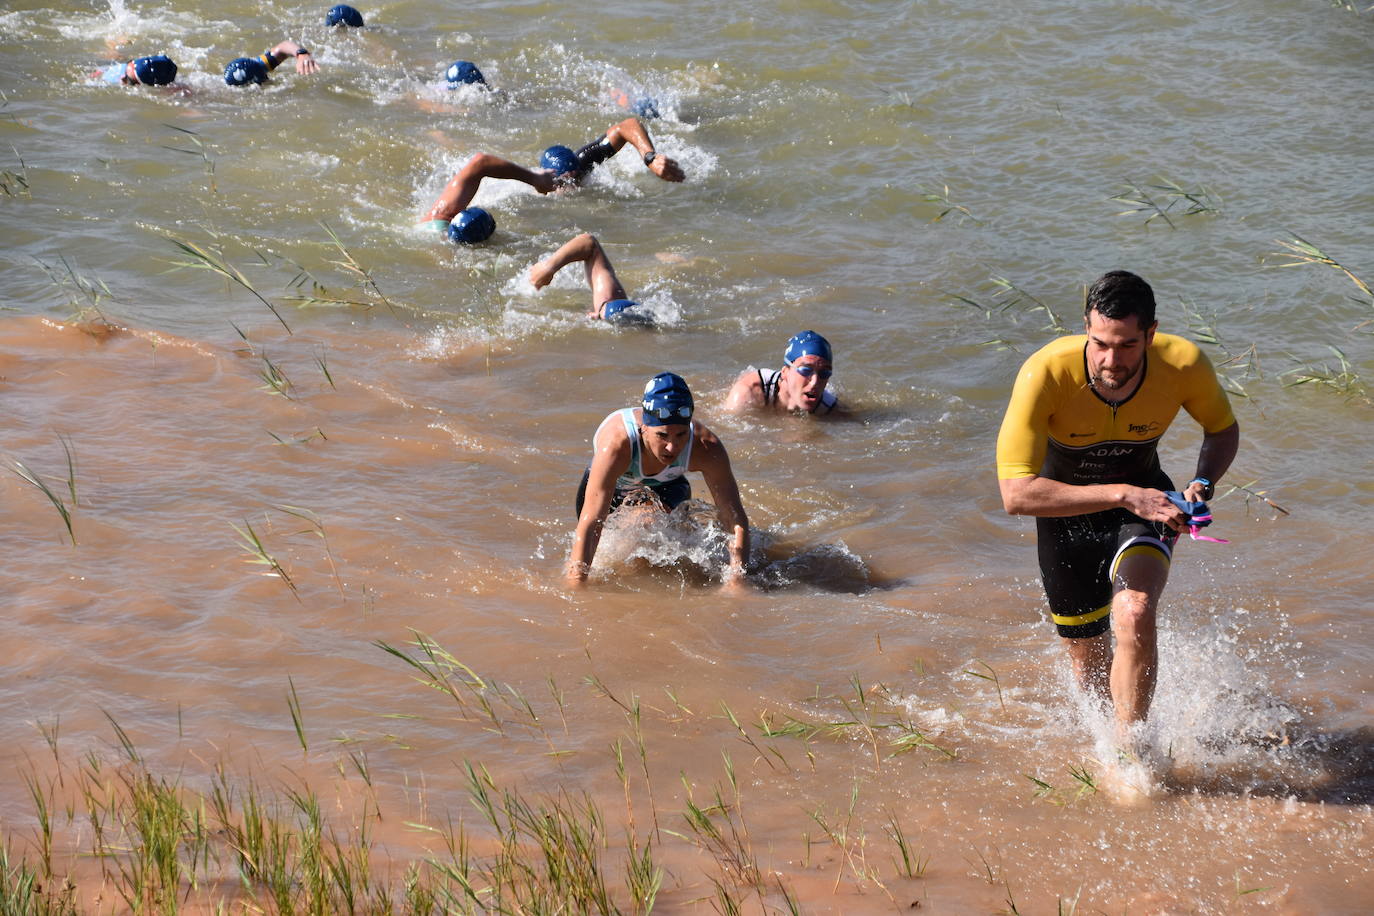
(1092, 665)
(1139, 581)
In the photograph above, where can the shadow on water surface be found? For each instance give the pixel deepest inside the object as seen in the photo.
(1297, 760)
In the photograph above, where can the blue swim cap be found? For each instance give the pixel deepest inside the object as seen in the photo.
(343, 14)
(244, 70)
(463, 72)
(667, 399)
(471, 226)
(561, 160)
(615, 310)
(807, 343)
(646, 108)
(157, 70)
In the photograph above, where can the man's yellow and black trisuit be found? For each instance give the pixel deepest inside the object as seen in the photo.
(1058, 426)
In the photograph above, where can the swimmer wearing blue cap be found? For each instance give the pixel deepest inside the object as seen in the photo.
(609, 300)
(464, 73)
(343, 15)
(559, 167)
(798, 386)
(640, 458)
(244, 71)
(157, 70)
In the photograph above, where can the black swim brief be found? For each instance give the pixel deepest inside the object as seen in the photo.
(670, 495)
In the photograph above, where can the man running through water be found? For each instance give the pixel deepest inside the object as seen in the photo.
(798, 386)
(559, 167)
(643, 454)
(1078, 450)
(609, 301)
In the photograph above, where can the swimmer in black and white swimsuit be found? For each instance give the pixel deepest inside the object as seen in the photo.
(559, 167)
(651, 448)
(800, 385)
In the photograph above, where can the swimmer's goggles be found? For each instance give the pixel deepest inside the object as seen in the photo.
(664, 413)
(808, 371)
(1199, 516)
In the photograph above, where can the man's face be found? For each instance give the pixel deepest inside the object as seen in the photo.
(666, 442)
(1116, 350)
(806, 379)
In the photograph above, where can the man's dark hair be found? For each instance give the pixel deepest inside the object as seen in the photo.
(1120, 294)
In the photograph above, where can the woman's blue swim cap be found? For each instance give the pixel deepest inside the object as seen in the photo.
(471, 226)
(157, 70)
(667, 399)
(244, 70)
(807, 343)
(561, 160)
(646, 108)
(343, 14)
(463, 72)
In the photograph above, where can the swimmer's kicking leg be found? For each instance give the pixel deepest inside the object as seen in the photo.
(601, 278)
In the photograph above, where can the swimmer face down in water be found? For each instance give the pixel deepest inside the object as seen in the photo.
(652, 447)
(800, 385)
(157, 70)
(559, 168)
(609, 300)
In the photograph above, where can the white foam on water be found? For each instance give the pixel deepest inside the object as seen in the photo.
(687, 539)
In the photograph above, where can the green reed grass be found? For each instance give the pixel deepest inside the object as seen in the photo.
(258, 554)
(33, 479)
(293, 705)
(316, 528)
(1252, 494)
(1163, 197)
(910, 862)
(200, 152)
(941, 199)
(1009, 298)
(324, 368)
(1238, 364)
(84, 294)
(317, 433)
(1299, 253)
(1340, 378)
(274, 380)
(199, 258)
(991, 676)
(16, 184)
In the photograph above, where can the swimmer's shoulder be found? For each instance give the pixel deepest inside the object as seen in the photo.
(746, 392)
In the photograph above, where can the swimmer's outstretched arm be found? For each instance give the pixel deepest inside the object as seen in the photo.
(714, 465)
(305, 63)
(462, 187)
(601, 277)
(631, 131)
(612, 458)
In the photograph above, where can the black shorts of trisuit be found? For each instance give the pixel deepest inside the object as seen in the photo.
(1078, 558)
(670, 494)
